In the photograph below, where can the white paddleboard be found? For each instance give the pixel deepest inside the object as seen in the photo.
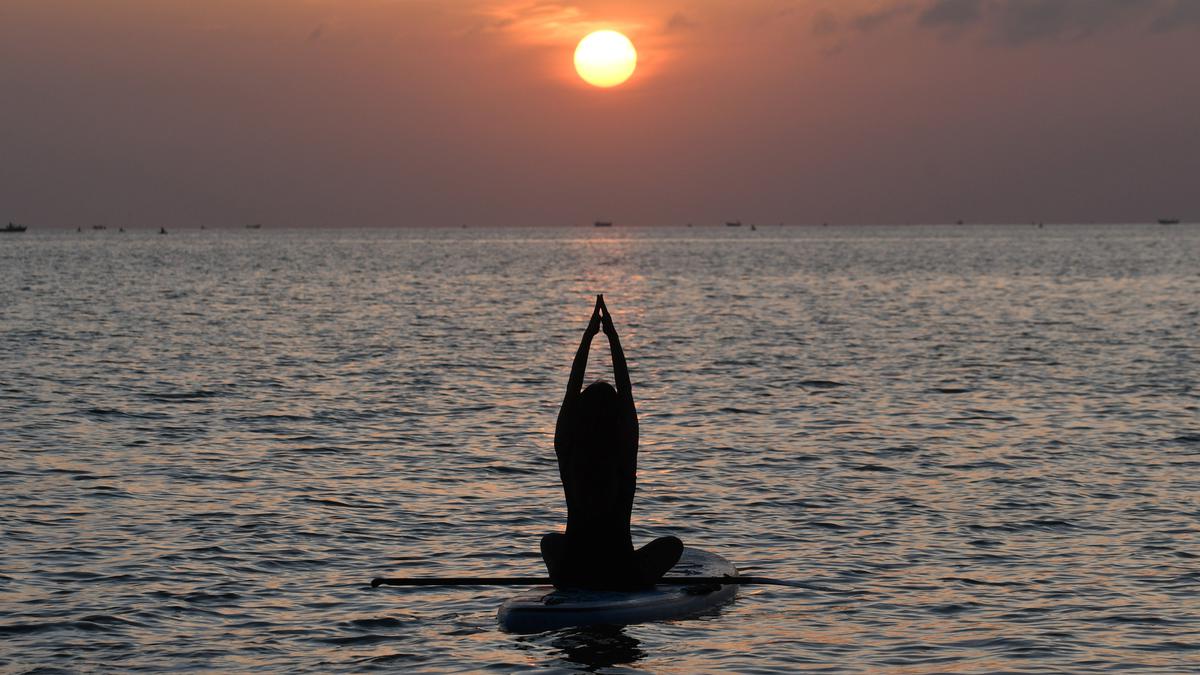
(547, 609)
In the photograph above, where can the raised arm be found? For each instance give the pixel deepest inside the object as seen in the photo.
(628, 426)
(575, 383)
(620, 369)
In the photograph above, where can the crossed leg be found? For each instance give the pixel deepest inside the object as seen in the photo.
(655, 559)
(650, 563)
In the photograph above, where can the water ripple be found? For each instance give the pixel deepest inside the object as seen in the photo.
(977, 447)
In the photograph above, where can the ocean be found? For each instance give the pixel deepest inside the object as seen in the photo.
(982, 444)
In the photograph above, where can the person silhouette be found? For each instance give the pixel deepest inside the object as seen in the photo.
(596, 442)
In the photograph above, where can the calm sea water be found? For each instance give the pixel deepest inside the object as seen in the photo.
(983, 442)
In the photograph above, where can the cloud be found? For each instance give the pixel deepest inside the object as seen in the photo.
(951, 13)
(1019, 22)
(872, 20)
(827, 24)
(551, 22)
(1181, 14)
(678, 22)
(1022, 21)
(539, 17)
(824, 23)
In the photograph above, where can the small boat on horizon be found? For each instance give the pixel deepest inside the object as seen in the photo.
(733, 223)
(1168, 221)
(13, 227)
(603, 223)
(99, 227)
(255, 226)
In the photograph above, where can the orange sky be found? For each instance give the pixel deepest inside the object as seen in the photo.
(410, 112)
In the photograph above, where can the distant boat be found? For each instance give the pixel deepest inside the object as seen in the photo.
(256, 226)
(99, 227)
(733, 223)
(603, 223)
(162, 230)
(1168, 221)
(12, 227)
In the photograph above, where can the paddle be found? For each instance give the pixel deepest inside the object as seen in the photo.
(545, 581)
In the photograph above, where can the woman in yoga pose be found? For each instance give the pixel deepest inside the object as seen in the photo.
(596, 441)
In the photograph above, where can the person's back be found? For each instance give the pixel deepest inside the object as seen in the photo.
(596, 441)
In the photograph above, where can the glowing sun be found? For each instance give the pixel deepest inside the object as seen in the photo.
(605, 58)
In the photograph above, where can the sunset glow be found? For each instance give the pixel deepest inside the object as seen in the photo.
(768, 111)
(605, 58)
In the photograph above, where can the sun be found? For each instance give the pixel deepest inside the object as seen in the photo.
(605, 58)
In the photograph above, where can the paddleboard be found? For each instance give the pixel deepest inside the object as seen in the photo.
(548, 609)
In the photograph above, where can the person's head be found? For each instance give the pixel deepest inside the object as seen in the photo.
(598, 408)
(597, 433)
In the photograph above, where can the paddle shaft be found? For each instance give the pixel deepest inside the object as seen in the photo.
(545, 581)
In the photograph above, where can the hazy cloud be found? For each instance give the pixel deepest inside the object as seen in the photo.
(678, 22)
(951, 13)
(1017, 22)
(824, 23)
(317, 33)
(1181, 14)
(1023, 21)
(872, 20)
(545, 18)
(554, 22)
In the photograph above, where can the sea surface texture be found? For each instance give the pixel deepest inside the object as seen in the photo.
(980, 445)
